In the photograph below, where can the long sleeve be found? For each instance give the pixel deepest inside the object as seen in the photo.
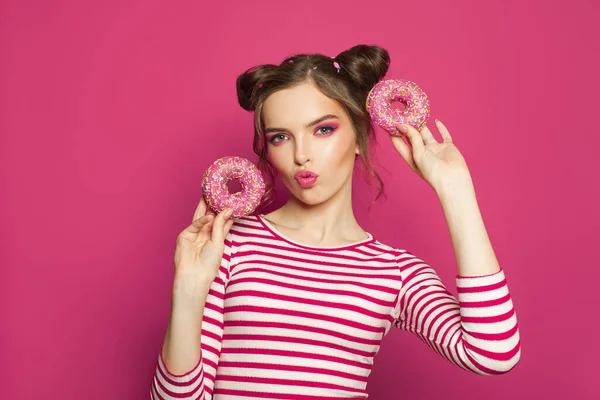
(477, 332)
(198, 383)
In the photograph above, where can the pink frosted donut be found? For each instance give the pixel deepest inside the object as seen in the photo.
(379, 105)
(215, 190)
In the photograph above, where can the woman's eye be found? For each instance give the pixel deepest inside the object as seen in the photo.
(277, 138)
(324, 130)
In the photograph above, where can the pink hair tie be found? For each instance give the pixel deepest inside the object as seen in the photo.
(337, 66)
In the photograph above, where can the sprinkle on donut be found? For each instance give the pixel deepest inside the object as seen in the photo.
(379, 105)
(215, 190)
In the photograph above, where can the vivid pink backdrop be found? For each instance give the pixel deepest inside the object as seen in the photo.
(111, 111)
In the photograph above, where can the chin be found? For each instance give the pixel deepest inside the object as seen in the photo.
(311, 197)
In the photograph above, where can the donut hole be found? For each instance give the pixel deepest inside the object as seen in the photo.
(398, 105)
(234, 186)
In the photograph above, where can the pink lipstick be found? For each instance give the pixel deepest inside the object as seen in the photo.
(306, 178)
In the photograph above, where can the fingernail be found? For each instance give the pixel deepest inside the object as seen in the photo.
(228, 213)
(403, 129)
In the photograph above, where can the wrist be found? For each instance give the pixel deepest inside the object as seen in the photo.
(190, 288)
(451, 188)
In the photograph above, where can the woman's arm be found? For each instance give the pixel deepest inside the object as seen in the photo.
(474, 253)
(444, 168)
(187, 362)
(181, 346)
(479, 330)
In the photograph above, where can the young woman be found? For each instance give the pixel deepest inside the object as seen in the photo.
(294, 304)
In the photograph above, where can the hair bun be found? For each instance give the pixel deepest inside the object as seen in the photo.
(248, 82)
(365, 64)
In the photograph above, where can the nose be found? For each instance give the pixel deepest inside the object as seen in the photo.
(301, 152)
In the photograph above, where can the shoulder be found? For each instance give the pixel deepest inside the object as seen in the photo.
(247, 230)
(385, 248)
(247, 222)
(401, 255)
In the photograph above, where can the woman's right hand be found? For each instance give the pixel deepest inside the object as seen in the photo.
(200, 248)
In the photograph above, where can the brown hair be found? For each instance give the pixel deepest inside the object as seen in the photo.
(347, 79)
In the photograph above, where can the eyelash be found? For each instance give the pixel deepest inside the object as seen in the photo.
(272, 138)
(329, 128)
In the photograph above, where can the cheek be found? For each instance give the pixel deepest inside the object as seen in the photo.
(277, 157)
(337, 151)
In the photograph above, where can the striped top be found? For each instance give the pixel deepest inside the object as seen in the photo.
(288, 321)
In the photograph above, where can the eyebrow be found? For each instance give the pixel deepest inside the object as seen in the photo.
(316, 121)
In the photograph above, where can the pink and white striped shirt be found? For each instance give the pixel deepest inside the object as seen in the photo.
(289, 321)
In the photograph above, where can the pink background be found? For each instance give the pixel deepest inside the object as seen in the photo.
(111, 111)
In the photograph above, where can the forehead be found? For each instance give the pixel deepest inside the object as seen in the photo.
(298, 105)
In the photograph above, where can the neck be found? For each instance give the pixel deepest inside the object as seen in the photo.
(330, 221)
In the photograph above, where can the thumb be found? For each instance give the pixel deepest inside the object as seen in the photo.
(218, 236)
(404, 150)
(227, 227)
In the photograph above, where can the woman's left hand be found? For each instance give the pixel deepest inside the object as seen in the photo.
(437, 163)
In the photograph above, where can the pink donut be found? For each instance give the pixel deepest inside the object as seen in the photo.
(379, 105)
(215, 190)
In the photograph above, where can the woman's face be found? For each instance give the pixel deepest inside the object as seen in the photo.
(307, 132)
